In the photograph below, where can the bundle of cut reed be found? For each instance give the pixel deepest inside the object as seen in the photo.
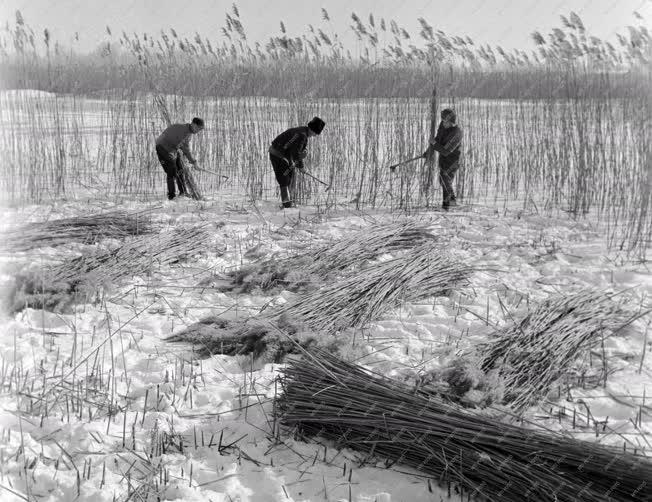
(300, 271)
(79, 229)
(485, 458)
(366, 294)
(366, 244)
(534, 353)
(79, 277)
(192, 187)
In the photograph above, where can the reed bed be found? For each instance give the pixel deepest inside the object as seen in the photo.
(99, 135)
(74, 280)
(533, 354)
(306, 269)
(366, 294)
(77, 229)
(485, 458)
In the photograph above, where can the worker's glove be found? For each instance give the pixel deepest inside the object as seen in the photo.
(429, 152)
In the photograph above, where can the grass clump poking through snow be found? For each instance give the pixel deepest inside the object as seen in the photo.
(366, 294)
(72, 281)
(303, 271)
(270, 342)
(483, 457)
(78, 229)
(534, 353)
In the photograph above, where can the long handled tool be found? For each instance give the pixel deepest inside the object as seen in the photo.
(328, 187)
(394, 166)
(210, 172)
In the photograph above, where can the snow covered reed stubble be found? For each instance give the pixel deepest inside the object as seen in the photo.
(78, 229)
(534, 353)
(484, 457)
(364, 295)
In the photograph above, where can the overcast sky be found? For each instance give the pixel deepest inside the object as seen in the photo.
(498, 22)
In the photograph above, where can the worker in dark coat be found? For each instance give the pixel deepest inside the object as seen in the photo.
(176, 137)
(288, 151)
(447, 143)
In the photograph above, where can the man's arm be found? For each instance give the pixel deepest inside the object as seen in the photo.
(185, 148)
(295, 149)
(431, 150)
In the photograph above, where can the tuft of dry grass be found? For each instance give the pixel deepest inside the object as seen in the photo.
(462, 381)
(261, 340)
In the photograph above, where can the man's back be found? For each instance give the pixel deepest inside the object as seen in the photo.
(174, 136)
(292, 141)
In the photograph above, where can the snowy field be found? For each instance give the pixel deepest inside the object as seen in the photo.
(97, 406)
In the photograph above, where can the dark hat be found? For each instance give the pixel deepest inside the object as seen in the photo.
(316, 125)
(449, 113)
(198, 122)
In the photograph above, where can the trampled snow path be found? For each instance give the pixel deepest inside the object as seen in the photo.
(222, 406)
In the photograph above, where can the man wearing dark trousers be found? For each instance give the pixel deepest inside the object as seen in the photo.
(448, 143)
(176, 137)
(288, 151)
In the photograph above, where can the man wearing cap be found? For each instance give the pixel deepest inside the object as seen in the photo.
(288, 151)
(175, 137)
(448, 143)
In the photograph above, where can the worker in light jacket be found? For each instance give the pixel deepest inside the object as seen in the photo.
(447, 143)
(176, 137)
(287, 153)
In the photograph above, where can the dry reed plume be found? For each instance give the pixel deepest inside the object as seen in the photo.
(251, 337)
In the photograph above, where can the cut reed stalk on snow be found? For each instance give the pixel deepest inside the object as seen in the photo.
(534, 353)
(77, 229)
(366, 294)
(73, 280)
(485, 457)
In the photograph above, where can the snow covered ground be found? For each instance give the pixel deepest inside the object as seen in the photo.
(140, 395)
